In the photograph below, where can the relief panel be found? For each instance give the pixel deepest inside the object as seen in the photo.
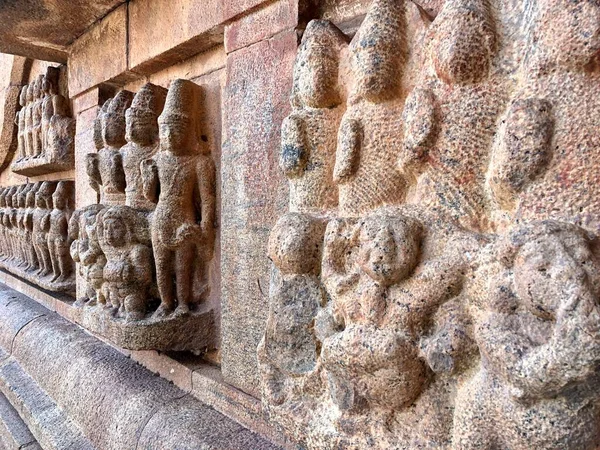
(444, 292)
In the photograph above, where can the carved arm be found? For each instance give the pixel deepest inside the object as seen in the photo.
(150, 180)
(92, 167)
(294, 148)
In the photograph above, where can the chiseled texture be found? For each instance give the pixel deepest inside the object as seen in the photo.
(452, 299)
(77, 392)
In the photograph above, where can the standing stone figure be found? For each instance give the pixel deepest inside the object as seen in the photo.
(20, 122)
(181, 180)
(28, 222)
(58, 233)
(371, 129)
(105, 168)
(41, 226)
(142, 141)
(125, 241)
(28, 131)
(288, 350)
(60, 134)
(309, 133)
(36, 117)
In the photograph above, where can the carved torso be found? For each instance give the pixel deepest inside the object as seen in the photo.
(133, 154)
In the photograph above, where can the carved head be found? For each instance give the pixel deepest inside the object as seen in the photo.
(9, 195)
(98, 139)
(464, 41)
(316, 67)
(378, 51)
(551, 262)
(179, 123)
(22, 196)
(118, 226)
(113, 119)
(566, 35)
(62, 195)
(295, 244)
(30, 91)
(43, 197)
(46, 85)
(30, 200)
(15, 195)
(142, 117)
(389, 247)
(3, 192)
(23, 95)
(37, 92)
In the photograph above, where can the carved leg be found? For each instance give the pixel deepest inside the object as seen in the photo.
(164, 278)
(47, 265)
(184, 274)
(135, 305)
(65, 263)
(52, 250)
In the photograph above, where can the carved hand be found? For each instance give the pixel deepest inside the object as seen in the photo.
(347, 156)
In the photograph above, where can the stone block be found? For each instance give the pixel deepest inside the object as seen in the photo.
(100, 54)
(13, 431)
(261, 24)
(253, 195)
(186, 28)
(188, 332)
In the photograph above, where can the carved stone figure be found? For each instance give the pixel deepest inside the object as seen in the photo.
(36, 117)
(142, 141)
(28, 225)
(451, 115)
(41, 225)
(309, 133)
(49, 91)
(29, 150)
(20, 122)
(537, 328)
(125, 241)
(180, 179)
(86, 251)
(58, 232)
(105, 168)
(288, 350)
(60, 137)
(371, 129)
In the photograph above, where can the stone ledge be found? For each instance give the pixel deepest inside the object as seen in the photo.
(13, 431)
(67, 287)
(41, 165)
(190, 332)
(115, 402)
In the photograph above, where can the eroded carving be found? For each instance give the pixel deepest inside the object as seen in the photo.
(441, 308)
(35, 238)
(46, 131)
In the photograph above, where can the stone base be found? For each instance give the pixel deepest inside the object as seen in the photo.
(66, 287)
(13, 431)
(41, 165)
(193, 332)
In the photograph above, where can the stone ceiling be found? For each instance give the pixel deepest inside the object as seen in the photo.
(43, 29)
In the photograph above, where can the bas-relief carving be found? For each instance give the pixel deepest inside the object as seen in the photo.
(34, 238)
(145, 250)
(46, 131)
(446, 294)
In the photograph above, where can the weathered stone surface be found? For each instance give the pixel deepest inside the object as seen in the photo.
(452, 301)
(46, 131)
(111, 402)
(44, 29)
(34, 239)
(106, 40)
(273, 18)
(13, 431)
(253, 195)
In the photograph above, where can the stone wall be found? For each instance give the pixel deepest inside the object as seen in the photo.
(343, 224)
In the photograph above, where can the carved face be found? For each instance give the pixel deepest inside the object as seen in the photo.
(176, 132)
(141, 126)
(59, 201)
(40, 200)
(463, 45)
(115, 232)
(113, 128)
(389, 249)
(46, 86)
(550, 270)
(295, 244)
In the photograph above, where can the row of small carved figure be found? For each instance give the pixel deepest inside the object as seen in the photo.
(155, 174)
(364, 313)
(45, 128)
(463, 137)
(34, 222)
